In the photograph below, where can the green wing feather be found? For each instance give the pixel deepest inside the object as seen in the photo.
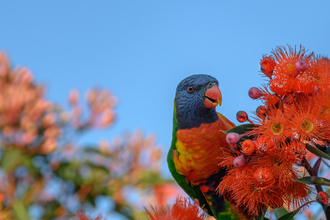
(193, 191)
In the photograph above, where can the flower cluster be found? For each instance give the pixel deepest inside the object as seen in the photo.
(40, 156)
(27, 119)
(262, 163)
(100, 104)
(31, 122)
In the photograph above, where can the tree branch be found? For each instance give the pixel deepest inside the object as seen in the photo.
(311, 172)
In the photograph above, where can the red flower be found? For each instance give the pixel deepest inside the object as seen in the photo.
(264, 178)
(296, 194)
(304, 83)
(183, 209)
(307, 121)
(239, 188)
(267, 65)
(273, 127)
(82, 216)
(281, 84)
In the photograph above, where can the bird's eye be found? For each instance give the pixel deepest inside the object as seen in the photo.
(190, 89)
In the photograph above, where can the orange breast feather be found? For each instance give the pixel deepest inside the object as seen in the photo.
(198, 149)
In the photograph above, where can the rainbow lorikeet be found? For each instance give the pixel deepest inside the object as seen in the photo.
(197, 140)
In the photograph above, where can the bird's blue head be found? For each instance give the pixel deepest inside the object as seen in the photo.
(195, 101)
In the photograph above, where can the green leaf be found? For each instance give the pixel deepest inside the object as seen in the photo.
(317, 152)
(289, 215)
(69, 171)
(11, 159)
(230, 214)
(261, 215)
(307, 180)
(50, 209)
(91, 199)
(20, 210)
(241, 129)
(27, 161)
(280, 212)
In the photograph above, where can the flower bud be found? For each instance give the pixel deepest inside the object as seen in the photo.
(232, 138)
(318, 199)
(322, 197)
(254, 93)
(239, 162)
(300, 66)
(267, 65)
(248, 147)
(241, 116)
(261, 111)
(288, 99)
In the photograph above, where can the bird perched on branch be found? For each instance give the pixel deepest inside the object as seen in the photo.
(197, 140)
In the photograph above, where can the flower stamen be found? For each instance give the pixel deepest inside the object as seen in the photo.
(276, 128)
(306, 125)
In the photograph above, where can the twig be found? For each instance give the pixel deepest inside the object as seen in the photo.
(311, 172)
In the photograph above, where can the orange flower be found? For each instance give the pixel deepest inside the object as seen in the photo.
(321, 68)
(293, 193)
(304, 83)
(296, 151)
(286, 59)
(264, 178)
(274, 127)
(307, 121)
(281, 84)
(269, 98)
(285, 71)
(296, 194)
(265, 145)
(267, 64)
(239, 188)
(183, 209)
(279, 165)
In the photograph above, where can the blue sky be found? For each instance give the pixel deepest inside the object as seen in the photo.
(141, 50)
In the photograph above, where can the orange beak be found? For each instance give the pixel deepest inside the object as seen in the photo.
(213, 97)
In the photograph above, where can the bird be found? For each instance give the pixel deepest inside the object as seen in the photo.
(197, 139)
